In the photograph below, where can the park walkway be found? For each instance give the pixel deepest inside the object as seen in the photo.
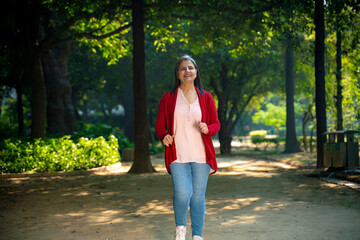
(249, 198)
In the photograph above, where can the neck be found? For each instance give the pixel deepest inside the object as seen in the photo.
(187, 87)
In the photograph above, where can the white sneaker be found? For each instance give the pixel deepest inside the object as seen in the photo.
(180, 233)
(197, 238)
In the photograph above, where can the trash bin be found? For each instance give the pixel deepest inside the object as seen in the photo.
(341, 153)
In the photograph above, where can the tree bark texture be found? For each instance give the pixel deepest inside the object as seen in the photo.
(291, 144)
(128, 101)
(142, 163)
(30, 21)
(61, 118)
(38, 99)
(320, 92)
(223, 96)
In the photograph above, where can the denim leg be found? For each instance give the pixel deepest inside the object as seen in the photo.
(181, 178)
(200, 173)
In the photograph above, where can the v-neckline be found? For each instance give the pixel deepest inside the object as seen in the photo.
(183, 95)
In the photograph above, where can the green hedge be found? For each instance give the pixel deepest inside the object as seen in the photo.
(258, 136)
(94, 130)
(57, 154)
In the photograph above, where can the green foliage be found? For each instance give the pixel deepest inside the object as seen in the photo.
(91, 130)
(258, 136)
(7, 129)
(57, 154)
(273, 116)
(156, 147)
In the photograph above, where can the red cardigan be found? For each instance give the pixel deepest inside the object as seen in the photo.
(165, 121)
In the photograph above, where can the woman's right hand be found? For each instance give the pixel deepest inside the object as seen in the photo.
(168, 140)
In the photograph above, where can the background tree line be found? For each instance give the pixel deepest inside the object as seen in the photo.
(111, 61)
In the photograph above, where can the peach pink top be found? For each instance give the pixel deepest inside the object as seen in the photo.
(189, 143)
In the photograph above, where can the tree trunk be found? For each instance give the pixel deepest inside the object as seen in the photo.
(320, 92)
(223, 96)
(311, 140)
(129, 112)
(20, 110)
(291, 144)
(60, 109)
(142, 163)
(30, 21)
(304, 122)
(38, 98)
(225, 140)
(225, 137)
(339, 125)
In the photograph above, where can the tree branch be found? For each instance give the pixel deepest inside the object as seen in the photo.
(239, 114)
(90, 35)
(216, 88)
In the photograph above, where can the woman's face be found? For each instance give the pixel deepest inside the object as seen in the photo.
(187, 72)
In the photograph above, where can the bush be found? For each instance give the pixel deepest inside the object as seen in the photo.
(258, 136)
(156, 147)
(57, 154)
(91, 130)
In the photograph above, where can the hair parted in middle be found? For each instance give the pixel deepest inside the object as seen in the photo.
(197, 81)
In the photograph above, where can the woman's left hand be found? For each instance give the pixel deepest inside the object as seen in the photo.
(203, 128)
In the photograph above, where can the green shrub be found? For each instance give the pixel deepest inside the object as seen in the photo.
(258, 136)
(156, 147)
(94, 130)
(57, 154)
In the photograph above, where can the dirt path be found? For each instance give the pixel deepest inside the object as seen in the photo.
(247, 199)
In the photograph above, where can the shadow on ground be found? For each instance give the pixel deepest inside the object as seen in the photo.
(249, 198)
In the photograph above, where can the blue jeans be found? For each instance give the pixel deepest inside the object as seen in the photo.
(189, 183)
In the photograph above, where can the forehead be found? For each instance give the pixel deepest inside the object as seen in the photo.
(186, 63)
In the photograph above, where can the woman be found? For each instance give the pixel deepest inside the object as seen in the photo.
(187, 119)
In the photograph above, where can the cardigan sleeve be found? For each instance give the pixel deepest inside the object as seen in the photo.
(213, 121)
(160, 125)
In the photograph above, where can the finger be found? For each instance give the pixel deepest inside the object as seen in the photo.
(202, 125)
(169, 139)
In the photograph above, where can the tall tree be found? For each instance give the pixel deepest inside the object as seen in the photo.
(320, 102)
(35, 44)
(291, 143)
(60, 108)
(142, 161)
(31, 15)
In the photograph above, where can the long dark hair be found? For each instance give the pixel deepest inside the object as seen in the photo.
(197, 81)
